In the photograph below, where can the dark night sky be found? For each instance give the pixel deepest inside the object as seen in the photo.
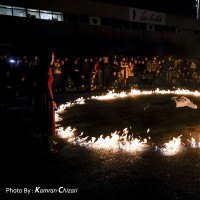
(183, 8)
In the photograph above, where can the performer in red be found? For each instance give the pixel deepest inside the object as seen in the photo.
(45, 105)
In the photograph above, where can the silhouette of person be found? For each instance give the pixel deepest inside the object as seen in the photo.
(45, 105)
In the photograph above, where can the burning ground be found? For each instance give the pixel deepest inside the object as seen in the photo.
(111, 148)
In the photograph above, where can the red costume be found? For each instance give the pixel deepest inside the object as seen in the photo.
(44, 119)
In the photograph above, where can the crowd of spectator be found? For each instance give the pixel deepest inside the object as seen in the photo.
(75, 74)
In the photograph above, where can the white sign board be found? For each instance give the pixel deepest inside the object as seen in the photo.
(146, 16)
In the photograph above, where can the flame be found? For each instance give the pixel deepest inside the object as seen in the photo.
(57, 118)
(113, 142)
(172, 147)
(124, 141)
(194, 143)
(63, 107)
(110, 95)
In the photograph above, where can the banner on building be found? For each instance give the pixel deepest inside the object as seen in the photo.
(146, 16)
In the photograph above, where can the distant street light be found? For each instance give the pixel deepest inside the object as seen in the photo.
(197, 5)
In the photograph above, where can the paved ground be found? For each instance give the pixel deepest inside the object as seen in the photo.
(97, 173)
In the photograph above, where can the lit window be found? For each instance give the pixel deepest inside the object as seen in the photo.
(5, 10)
(44, 14)
(19, 12)
(57, 16)
(32, 13)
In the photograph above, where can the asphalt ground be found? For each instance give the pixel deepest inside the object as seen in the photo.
(79, 172)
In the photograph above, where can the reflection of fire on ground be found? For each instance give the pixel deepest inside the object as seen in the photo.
(125, 141)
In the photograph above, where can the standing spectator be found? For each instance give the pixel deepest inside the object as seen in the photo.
(76, 72)
(98, 71)
(136, 72)
(106, 69)
(115, 66)
(168, 68)
(30, 79)
(91, 65)
(65, 74)
(130, 72)
(57, 71)
(123, 68)
(44, 115)
(5, 81)
(85, 68)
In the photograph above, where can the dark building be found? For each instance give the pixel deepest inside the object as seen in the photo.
(93, 27)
